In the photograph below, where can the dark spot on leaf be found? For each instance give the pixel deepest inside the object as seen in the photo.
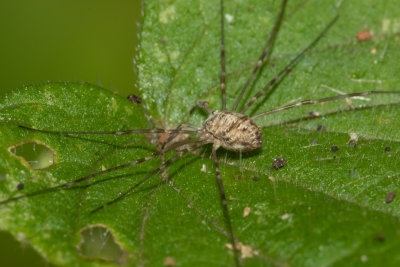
(135, 99)
(320, 128)
(20, 186)
(334, 148)
(98, 243)
(390, 196)
(380, 238)
(387, 149)
(279, 162)
(256, 178)
(36, 154)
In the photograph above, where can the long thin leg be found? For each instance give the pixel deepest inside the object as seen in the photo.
(288, 66)
(135, 131)
(85, 178)
(190, 126)
(192, 205)
(225, 206)
(326, 99)
(162, 167)
(266, 52)
(223, 66)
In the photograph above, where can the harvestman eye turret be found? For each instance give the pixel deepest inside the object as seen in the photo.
(231, 130)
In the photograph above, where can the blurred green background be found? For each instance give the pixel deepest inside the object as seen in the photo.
(65, 40)
(69, 40)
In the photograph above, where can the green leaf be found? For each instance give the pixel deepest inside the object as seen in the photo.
(322, 208)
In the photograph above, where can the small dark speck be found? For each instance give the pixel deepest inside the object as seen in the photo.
(334, 157)
(134, 99)
(20, 186)
(390, 196)
(256, 178)
(279, 162)
(387, 149)
(334, 148)
(380, 237)
(320, 128)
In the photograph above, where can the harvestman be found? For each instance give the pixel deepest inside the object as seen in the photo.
(229, 129)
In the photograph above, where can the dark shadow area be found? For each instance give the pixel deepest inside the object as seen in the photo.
(18, 254)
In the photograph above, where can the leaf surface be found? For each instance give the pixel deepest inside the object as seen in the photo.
(322, 208)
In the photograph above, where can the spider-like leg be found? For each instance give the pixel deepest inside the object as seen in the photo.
(135, 131)
(85, 178)
(74, 182)
(225, 206)
(326, 99)
(162, 167)
(266, 52)
(223, 63)
(287, 68)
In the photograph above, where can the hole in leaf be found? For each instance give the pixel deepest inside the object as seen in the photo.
(38, 155)
(98, 243)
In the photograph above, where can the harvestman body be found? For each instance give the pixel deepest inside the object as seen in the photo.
(231, 130)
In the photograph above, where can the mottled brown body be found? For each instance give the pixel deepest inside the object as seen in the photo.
(233, 131)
